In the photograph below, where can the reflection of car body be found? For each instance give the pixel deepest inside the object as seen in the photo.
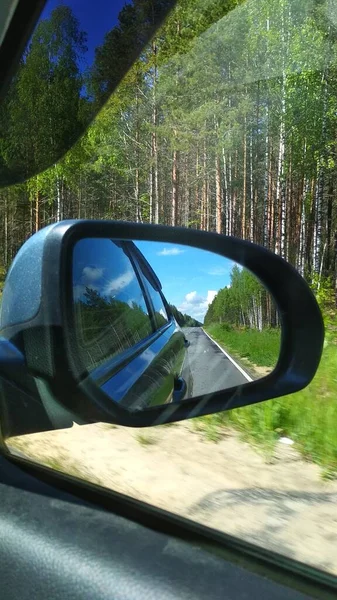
(130, 341)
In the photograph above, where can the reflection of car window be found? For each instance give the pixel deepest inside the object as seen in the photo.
(159, 309)
(110, 310)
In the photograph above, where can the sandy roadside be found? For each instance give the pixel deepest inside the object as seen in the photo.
(282, 504)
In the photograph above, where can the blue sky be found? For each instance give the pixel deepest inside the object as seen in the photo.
(190, 277)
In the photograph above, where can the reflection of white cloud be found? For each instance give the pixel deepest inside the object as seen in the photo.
(193, 298)
(210, 296)
(196, 305)
(92, 273)
(170, 252)
(114, 286)
(218, 271)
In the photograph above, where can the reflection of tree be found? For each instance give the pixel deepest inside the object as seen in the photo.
(160, 319)
(184, 320)
(106, 327)
(245, 303)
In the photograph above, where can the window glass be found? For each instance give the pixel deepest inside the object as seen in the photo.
(110, 311)
(227, 123)
(159, 309)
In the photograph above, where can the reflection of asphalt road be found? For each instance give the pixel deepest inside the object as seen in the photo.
(211, 369)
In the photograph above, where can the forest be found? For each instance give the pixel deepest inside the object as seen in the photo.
(182, 319)
(243, 303)
(227, 122)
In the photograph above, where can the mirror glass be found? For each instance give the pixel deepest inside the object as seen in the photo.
(158, 322)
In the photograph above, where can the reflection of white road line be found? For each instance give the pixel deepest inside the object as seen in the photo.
(229, 358)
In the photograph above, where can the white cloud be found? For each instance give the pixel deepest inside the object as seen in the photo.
(114, 286)
(196, 305)
(170, 252)
(92, 273)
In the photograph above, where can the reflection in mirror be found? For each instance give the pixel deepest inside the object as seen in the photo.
(158, 323)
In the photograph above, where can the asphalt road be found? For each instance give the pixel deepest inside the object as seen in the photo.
(211, 369)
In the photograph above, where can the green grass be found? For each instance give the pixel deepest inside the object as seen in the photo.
(259, 347)
(308, 417)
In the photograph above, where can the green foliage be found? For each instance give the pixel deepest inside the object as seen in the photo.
(308, 417)
(244, 303)
(324, 290)
(261, 348)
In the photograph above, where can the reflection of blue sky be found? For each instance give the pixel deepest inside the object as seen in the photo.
(95, 19)
(190, 277)
(101, 266)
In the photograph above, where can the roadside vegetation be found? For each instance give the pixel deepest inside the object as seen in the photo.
(256, 348)
(309, 417)
(244, 320)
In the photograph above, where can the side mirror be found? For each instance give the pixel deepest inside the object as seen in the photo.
(118, 320)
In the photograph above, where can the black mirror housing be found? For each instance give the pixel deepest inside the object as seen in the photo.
(37, 317)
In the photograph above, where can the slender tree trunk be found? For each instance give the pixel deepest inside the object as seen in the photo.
(37, 210)
(271, 217)
(235, 194)
(207, 206)
(154, 138)
(230, 195)
(251, 180)
(265, 235)
(79, 197)
(280, 187)
(302, 230)
(244, 192)
(266, 184)
(174, 188)
(204, 192)
(138, 208)
(329, 224)
(321, 268)
(225, 208)
(218, 225)
(186, 207)
(58, 200)
(137, 199)
(320, 184)
(151, 190)
(197, 207)
(310, 242)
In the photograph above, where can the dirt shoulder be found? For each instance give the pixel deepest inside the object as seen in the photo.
(281, 504)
